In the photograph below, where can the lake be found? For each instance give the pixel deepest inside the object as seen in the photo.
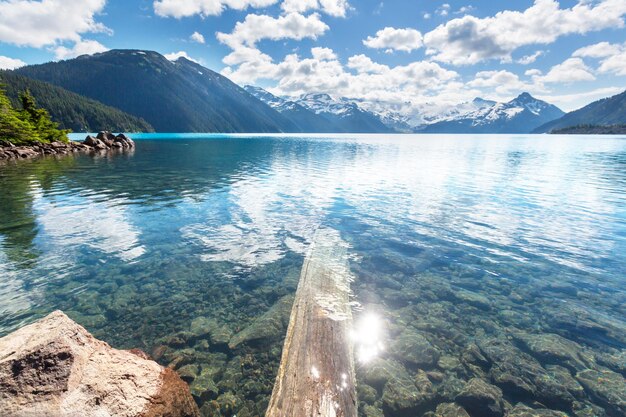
(497, 259)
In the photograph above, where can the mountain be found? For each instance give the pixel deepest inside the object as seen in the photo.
(608, 111)
(322, 113)
(70, 110)
(346, 115)
(523, 114)
(179, 96)
(306, 120)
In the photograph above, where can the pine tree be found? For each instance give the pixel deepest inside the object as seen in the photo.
(12, 127)
(30, 125)
(39, 118)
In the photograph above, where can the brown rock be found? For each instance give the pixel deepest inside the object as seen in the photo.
(54, 367)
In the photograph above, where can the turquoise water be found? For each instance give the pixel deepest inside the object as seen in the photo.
(501, 258)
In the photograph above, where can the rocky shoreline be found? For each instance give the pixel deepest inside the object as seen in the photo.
(104, 141)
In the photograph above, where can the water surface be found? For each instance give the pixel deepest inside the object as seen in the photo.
(501, 258)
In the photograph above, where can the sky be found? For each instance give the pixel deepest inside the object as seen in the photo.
(403, 55)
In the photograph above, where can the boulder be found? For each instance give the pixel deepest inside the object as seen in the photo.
(450, 410)
(521, 410)
(54, 367)
(606, 387)
(481, 398)
(413, 348)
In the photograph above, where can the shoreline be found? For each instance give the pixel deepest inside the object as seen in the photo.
(104, 141)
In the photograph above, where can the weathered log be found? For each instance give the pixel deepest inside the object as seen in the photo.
(316, 374)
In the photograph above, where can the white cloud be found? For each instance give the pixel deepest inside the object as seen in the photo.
(323, 54)
(364, 64)
(612, 56)
(615, 64)
(529, 59)
(48, 22)
(186, 8)
(7, 63)
(197, 37)
(257, 27)
(405, 40)
(570, 70)
(82, 47)
(337, 8)
(443, 10)
(502, 82)
(180, 54)
(598, 50)
(468, 40)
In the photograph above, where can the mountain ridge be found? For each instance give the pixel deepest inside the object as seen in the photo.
(608, 111)
(173, 96)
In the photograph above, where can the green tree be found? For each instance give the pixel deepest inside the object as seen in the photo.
(13, 128)
(48, 131)
(31, 124)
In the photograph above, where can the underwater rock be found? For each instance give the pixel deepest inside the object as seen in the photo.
(606, 387)
(552, 348)
(413, 348)
(55, 367)
(401, 397)
(450, 410)
(204, 327)
(521, 376)
(521, 410)
(474, 299)
(203, 387)
(371, 411)
(616, 362)
(269, 326)
(366, 394)
(564, 378)
(480, 398)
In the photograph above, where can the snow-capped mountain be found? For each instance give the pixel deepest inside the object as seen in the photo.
(320, 113)
(523, 114)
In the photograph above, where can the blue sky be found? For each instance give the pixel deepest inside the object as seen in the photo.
(404, 55)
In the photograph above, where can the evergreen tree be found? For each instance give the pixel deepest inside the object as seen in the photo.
(40, 119)
(12, 126)
(31, 124)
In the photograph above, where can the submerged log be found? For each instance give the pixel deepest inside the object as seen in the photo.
(316, 374)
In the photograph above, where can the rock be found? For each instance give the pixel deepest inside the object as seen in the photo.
(188, 372)
(552, 348)
(55, 367)
(59, 145)
(91, 141)
(217, 334)
(521, 376)
(521, 410)
(481, 398)
(606, 387)
(564, 378)
(413, 348)
(450, 410)
(269, 326)
(403, 397)
(366, 393)
(474, 299)
(372, 411)
(203, 387)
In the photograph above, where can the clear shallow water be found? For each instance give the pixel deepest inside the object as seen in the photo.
(501, 258)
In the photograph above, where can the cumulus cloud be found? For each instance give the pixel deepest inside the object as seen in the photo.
(186, 8)
(598, 50)
(197, 37)
(180, 54)
(7, 63)
(405, 40)
(364, 64)
(337, 8)
(47, 22)
(82, 47)
(612, 56)
(257, 27)
(469, 40)
(529, 59)
(502, 82)
(570, 70)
